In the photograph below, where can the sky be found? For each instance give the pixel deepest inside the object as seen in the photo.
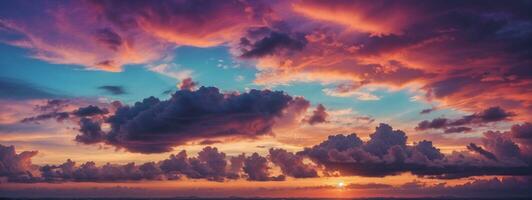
(243, 98)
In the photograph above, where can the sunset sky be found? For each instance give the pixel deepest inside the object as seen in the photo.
(219, 98)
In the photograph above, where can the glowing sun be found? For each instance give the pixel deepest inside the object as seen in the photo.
(341, 184)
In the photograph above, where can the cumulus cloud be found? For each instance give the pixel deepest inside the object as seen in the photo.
(522, 131)
(257, 169)
(209, 164)
(16, 167)
(154, 126)
(291, 164)
(91, 131)
(187, 84)
(387, 153)
(318, 116)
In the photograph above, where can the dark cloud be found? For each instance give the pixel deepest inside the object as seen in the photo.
(187, 84)
(90, 110)
(113, 89)
(458, 129)
(210, 164)
(263, 42)
(522, 131)
(427, 111)
(91, 132)
(318, 116)
(256, 168)
(59, 116)
(291, 164)
(89, 172)
(473, 147)
(154, 126)
(383, 138)
(501, 144)
(492, 114)
(387, 153)
(53, 109)
(53, 105)
(435, 124)
(12, 89)
(16, 167)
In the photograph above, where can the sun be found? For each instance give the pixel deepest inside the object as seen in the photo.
(341, 184)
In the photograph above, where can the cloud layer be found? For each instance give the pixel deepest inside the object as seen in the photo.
(463, 54)
(385, 153)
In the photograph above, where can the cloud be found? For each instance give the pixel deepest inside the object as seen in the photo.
(59, 116)
(464, 55)
(427, 111)
(522, 131)
(291, 164)
(210, 164)
(16, 167)
(458, 129)
(263, 41)
(187, 84)
(90, 110)
(155, 126)
(256, 168)
(171, 70)
(492, 114)
(185, 22)
(501, 144)
(107, 35)
(481, 151)
(53, 105)
(442, 49)
(58, 113)
(387, 153)
(91, 132)
(69, 34)
(318, 116)
(113, 89)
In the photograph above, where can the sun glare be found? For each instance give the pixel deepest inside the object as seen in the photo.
(341, 184)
